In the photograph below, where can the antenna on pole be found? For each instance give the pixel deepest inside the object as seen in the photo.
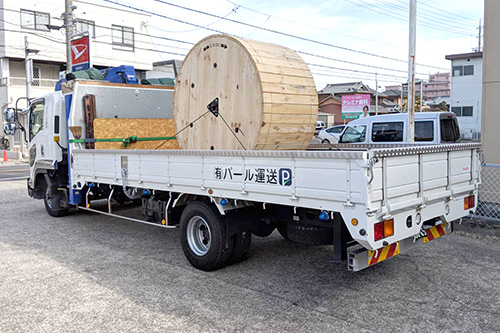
(411, 71)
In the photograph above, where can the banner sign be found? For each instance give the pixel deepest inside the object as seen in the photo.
(352, 105)
(80, 53)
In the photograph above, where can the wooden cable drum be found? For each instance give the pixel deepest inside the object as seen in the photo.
(266, 97)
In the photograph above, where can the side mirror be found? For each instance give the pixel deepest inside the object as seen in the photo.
(9, 115)
(9, 128)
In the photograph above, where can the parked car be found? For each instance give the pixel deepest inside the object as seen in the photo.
(331, 134)
(430, 128)
(319, 126)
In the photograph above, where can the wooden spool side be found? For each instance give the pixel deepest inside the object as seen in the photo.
(218, 67)
(265, 90)
(289, 97)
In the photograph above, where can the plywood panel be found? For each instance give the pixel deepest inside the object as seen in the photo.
(252, 81)
(105, 128)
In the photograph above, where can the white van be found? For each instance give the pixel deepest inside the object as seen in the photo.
(430, 128)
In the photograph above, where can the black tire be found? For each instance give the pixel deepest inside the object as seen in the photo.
(52, 203)
(204, 237)
(325, 141)
(263, 229)
(282, 229)
(242, 243)
(305, 234)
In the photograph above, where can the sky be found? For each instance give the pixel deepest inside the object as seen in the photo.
(340, 40)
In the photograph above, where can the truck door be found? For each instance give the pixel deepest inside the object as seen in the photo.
(37, 131)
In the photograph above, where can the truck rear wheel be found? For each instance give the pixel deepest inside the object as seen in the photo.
(242, 243)
(204, 237)
(52, 200)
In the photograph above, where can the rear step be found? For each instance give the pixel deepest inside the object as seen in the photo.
(362, 258)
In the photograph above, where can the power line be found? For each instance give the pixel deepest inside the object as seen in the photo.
(444, 11)
(429, 17)
(257, 27)
(397, 17)
(311, 26)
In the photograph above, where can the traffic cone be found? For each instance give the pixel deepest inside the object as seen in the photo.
(5, 157)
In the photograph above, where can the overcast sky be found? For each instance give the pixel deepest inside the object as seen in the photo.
(378, 27)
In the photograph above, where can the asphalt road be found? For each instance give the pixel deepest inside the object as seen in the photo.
(88, 273)
(10, 172)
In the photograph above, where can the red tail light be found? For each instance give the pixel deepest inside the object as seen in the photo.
(471, 201)
(378, 230)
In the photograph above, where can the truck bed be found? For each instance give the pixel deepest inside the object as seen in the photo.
(367, 184)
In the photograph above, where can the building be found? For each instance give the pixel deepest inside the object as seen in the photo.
(29, 28)
(466, 92)
(434, 90)
(330, 99)
(438, 86)
(491, 83)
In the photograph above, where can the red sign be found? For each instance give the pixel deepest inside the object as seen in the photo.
(80, 54)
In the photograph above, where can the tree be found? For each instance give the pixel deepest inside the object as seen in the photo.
(443, 106)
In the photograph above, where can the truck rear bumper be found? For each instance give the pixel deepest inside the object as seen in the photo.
(362, 258)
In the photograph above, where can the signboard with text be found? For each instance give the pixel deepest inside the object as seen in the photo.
(80, 53)
(353, 105)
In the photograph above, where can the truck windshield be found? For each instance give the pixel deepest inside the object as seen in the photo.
(449, 130)
(36, 119)
(354, 134)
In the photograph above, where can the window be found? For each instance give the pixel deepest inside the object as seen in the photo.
(467, 111)
(449, 130)
(37, 75)
(424, 131)
(84, 25)
(463, 70)
(387, 132)
(469, 70)
(463, 111)
(36, 119)
(34, 20)
(123, 38)
(354, 134)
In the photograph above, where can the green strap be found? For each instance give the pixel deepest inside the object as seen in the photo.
(125, 141)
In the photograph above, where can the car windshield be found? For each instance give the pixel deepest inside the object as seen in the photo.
(354, 134)
(336, 129)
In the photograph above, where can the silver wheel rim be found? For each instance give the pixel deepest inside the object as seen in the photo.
(198, 235)
(48, 198)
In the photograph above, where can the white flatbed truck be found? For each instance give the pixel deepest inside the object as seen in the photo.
(369, 203)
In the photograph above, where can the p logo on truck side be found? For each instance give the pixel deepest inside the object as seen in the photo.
(285, 177)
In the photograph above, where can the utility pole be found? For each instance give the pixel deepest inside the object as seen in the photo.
(28, 68)
(68, 22)
(411, 71)
(376, 94)
(421, 95)
(479, 37)
(402, 96)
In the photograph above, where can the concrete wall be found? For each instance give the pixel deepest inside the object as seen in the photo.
(491, 83)
(466, 90)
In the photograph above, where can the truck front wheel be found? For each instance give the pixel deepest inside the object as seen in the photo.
(52, 200)
(204, 237)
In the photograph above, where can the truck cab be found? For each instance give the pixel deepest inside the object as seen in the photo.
(47, 137)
